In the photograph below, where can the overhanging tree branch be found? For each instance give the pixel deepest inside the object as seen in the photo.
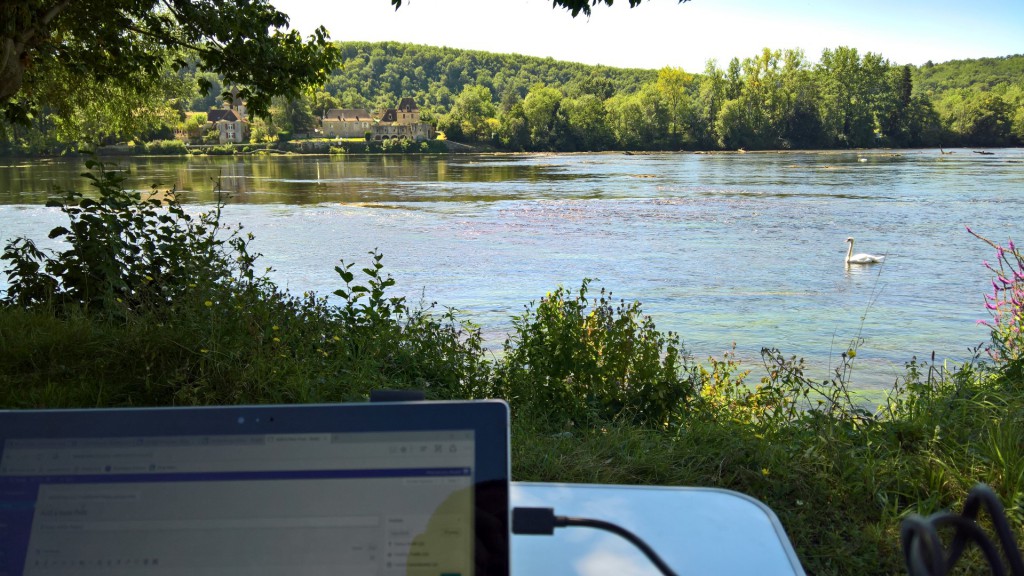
(575, 7)
(242, 40)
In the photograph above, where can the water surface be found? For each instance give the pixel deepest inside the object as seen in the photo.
(722, 248)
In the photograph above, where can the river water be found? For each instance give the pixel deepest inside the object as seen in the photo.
(722, 248)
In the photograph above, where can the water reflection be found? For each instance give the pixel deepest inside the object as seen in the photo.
(862, 270)
(294, 179)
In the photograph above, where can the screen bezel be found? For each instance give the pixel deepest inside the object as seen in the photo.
(488, 419)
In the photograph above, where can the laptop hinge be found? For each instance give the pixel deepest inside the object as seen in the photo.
(397, 395)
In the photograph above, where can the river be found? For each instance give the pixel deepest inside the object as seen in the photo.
(722, 248)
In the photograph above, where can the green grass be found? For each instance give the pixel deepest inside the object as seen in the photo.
(597, 393)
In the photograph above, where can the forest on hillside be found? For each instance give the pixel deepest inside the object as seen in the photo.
(777, 99)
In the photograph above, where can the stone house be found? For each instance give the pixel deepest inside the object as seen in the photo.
(347, 123)
(231, 122)
(401, 122)
(231, 126)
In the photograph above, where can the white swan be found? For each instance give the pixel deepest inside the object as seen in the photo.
(852, 258)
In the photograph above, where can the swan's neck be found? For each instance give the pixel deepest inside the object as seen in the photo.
(849, 253)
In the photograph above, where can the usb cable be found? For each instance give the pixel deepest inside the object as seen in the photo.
(542, 522)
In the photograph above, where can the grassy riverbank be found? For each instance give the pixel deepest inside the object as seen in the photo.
(148, 306)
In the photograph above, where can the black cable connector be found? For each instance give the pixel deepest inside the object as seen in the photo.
(533, 521)
(542, 522)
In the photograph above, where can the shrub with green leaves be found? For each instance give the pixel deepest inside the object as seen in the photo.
(221, 150)
(442, 354)
(167, 147)
(123, 250)
(395, 145)
(577, 361)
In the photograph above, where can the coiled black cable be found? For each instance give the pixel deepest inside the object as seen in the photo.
(923, 550)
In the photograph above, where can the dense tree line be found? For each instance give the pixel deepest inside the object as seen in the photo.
(777, 99)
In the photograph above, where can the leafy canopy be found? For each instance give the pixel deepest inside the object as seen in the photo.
(121, 41)
(573, 6)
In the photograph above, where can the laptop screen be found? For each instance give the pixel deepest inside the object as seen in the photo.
(378, 502)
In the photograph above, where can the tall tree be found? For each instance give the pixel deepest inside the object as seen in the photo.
(121, 41)
(710, 97)
(801, 114)
(513, 132)
(672, 87)
(541, 109)
(639, 121)
(468, 119)
(847, 90)
(294, 115)
(322, 101)
(734, 79)
(587, 121)
(988, 121)
(756, 118)
(893, 108)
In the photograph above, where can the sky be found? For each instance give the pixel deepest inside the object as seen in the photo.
(661, 33)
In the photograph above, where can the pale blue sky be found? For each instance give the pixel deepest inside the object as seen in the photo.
(663, 33)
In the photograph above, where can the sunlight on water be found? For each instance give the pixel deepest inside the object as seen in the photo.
(722, 248)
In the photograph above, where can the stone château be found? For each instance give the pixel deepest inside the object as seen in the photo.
(401, 122)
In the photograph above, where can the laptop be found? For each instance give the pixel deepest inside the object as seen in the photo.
(388, 489)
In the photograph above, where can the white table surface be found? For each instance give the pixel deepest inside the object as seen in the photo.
(697, 531)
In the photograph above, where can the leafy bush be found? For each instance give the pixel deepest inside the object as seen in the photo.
(167, 147)
(124, 250)
(574, 361)
(434, 146)
(174, 314)
(395, 145)
(444, 354)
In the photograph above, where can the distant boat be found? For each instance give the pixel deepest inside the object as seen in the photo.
(985, 152)
(944, 152)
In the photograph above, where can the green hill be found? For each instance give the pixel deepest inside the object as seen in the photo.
(978, 74)
(434, 76)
